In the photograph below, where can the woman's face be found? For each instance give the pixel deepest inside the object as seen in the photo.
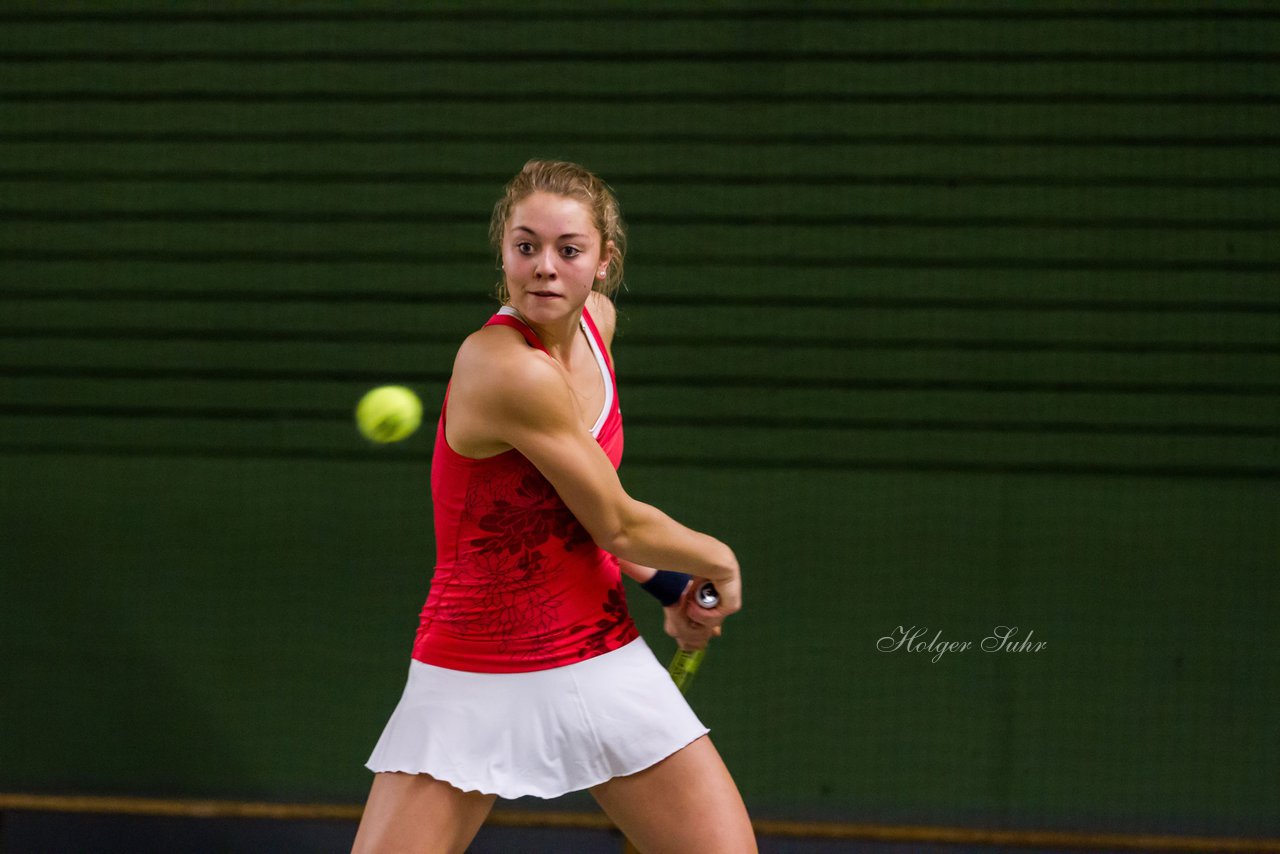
(551, 256)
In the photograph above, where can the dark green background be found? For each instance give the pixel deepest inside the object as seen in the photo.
(943, 316)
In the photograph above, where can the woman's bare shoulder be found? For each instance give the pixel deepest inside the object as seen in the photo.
(500, 390)
(497, 352)
(498, 370)
(605, 315)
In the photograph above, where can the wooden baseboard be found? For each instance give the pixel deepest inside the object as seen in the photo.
(1012, 839)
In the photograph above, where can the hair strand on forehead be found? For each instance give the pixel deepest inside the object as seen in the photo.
(572, 181)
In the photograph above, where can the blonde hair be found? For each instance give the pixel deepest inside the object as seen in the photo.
(572, 181)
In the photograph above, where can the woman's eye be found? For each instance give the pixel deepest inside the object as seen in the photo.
(524, 248)
(571, 251)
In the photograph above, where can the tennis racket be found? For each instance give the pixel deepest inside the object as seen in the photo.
(685, 664)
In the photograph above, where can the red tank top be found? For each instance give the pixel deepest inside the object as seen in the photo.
(519, 584)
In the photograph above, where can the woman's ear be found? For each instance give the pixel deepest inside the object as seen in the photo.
(606, 256)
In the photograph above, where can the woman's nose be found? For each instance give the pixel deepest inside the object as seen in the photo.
(546, 266)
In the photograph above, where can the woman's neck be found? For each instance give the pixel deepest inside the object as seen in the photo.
(561, 339)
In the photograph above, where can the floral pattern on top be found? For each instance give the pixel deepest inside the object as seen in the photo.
(613, 629)
(510, 594)
(534, 515)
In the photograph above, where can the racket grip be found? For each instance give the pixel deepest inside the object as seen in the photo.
(684, 666)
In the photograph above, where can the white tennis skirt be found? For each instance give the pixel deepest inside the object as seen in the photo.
(543, 733)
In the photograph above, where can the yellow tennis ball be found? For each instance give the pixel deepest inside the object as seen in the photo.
(388, 413)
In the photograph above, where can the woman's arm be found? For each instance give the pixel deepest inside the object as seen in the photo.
(521, 398)
(689, 630)
(636, 571)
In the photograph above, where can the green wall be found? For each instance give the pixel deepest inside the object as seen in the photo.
(942, 316)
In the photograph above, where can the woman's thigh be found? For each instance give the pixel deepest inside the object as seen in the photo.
(418, 813)
(687, 802)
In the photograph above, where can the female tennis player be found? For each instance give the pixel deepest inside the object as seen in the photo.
(528, 676)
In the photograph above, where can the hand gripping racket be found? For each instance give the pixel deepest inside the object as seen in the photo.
(686, 662)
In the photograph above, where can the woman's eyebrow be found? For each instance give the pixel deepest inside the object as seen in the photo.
(531, 231)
